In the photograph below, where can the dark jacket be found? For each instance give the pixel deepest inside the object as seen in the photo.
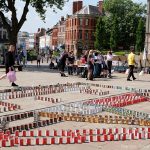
(9, 59)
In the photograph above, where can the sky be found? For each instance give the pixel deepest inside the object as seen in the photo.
(34, 22)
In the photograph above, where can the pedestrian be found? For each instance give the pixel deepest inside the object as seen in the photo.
(109, 63)
(62, 63)
(131, 64)
(104, 66)
(38, 60)
(10, 62)
(90, 61)
(71, 60)
(24, 61)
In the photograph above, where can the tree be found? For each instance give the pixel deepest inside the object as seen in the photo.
(128, 14)
(114, 33)
(100, 34)
(140, 36)
(9, 6)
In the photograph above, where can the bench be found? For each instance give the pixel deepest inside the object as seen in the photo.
(15, 66)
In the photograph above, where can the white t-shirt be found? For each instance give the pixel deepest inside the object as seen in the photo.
(109, 57)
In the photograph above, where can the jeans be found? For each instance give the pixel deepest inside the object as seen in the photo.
(131, 68)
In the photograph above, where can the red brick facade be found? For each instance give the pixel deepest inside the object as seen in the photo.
(81, 26)
(77, 5)
(80, 32)
(55, 37)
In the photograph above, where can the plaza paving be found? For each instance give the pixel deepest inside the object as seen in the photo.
(33, 76)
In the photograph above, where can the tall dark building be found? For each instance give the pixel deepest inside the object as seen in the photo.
(3, 35)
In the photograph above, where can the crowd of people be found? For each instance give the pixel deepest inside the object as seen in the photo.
(93, 63)
(96, 64)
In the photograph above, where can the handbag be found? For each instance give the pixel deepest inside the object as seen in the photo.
(11, 75)
(141, 73)
(127, 71)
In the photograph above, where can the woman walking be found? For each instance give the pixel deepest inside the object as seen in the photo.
(9, 62)
(90, 61)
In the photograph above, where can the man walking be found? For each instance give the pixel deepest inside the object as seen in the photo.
(38, 60)
(131, 63)
(62, 63)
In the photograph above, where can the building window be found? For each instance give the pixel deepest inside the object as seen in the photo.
(86, 22)
(75, 22)
(80, 34)
(86, 35)
(75, 34)
(80, 22)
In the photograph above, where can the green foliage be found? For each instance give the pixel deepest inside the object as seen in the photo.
(114, 33)
(56, 53)
(9, 6)
(100, 34)
(120, 53)
(123, 17)
(140, 36)
(32, 55)
(42, 5)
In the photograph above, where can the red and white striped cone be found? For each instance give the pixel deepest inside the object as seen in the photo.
(24, 133)
(85, 132)
(101, 138)
(44, 141)
(123, 130)
(59, 132)
(110, 131)
(64, 133)
(38, 141)
(6, 137)
(115, 130)
(8, 132)
(116, 137)
(52, 140)
(23, 142)
(39, 133)
(47, 132)
(32, 134)
(88, 139)
(77, 140)
(93, 138)
(57, 140)
(71, 140)
(103, 131)
(64, 140)
(17, 133)
(123, 137)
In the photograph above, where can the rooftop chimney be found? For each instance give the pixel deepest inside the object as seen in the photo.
(100, 6)
(77, 6)
(62, 18)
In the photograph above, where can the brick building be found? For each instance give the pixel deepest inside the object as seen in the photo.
(81, 26)
(3, 35)
(49, 33)
(61, 32)
(40, 32)
(55, 37)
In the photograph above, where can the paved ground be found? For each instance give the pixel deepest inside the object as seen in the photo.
(33, 76)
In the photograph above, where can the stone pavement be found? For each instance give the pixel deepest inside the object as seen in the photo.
(33, 76)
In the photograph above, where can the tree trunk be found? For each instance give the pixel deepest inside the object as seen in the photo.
(13, 38)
